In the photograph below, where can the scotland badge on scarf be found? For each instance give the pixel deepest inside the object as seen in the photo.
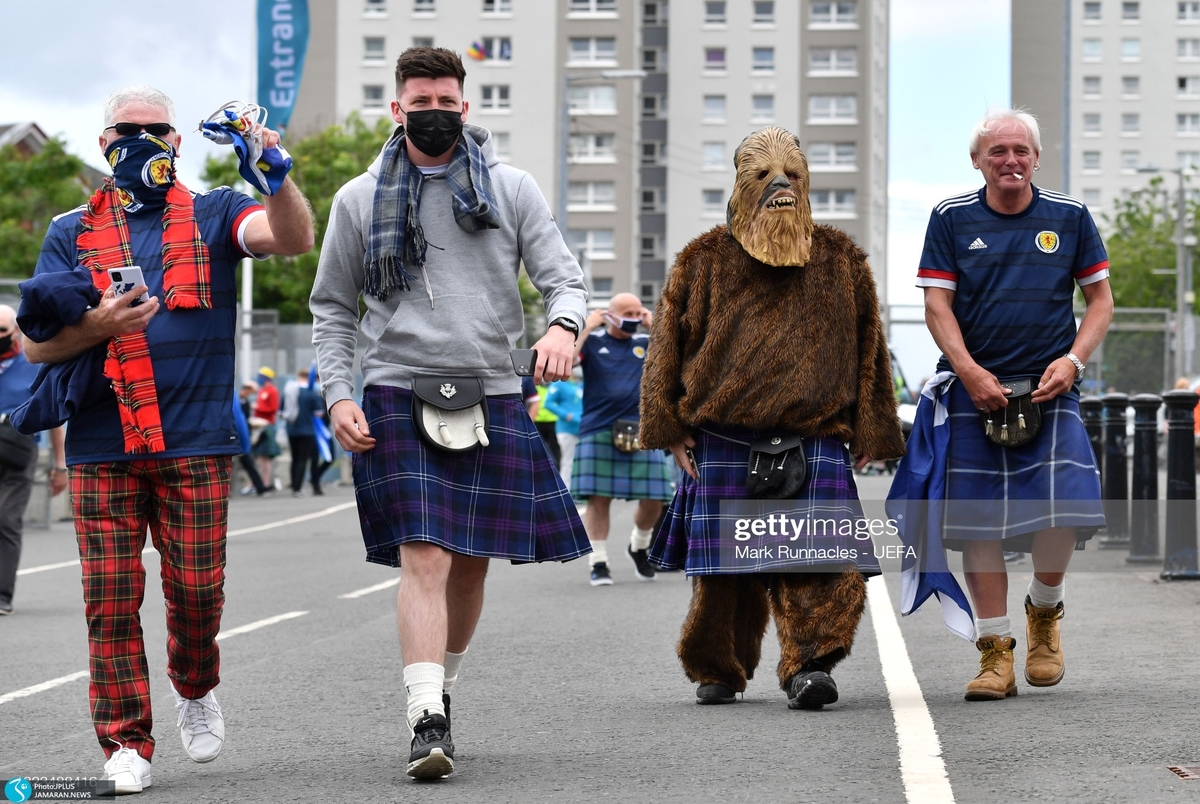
(240, 125)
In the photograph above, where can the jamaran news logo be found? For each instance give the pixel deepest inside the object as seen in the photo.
(18, 789)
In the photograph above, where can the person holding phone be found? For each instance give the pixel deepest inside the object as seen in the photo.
(151, 447)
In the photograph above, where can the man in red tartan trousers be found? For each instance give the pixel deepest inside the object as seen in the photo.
(151, 430)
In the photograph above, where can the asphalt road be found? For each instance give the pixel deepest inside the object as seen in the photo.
(573, 693)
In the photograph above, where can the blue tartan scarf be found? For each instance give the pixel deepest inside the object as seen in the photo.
(396, 244)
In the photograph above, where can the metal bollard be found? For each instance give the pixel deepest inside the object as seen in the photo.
(1143, 541)
(1116, 474)
(1090, 409)
(1179, 555)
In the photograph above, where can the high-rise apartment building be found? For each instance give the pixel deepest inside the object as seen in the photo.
(1115, 85)
(639, 187)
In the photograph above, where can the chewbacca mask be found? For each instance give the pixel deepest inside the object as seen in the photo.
(769, 214)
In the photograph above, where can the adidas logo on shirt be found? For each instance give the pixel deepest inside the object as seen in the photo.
(603, 350)
(977, 244)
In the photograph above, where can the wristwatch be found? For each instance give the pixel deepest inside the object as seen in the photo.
(1079, 365)
(567, 324)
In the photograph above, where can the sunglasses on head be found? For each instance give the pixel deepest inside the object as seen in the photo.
(130, 129)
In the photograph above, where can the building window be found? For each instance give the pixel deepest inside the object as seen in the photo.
(654, 153)
(1188, 11)
(651, 60)
(1188, 49)
(497, 6)
(652, 248)
(1091, 86)
(424, 6)
(595, 243)
(375, 8)
(501, 142)
(654, 200)
(654, 106)
(654, 13)
(714, 202)
(373, 48)
(714, 12)
(1131, 123)
(1131, 11)
(592, 50)
(1188, 124)
(764, 12)
(1130, 161)
(422, 41)
(602, 286)
(1131, 86)
(372, 96)
(591, 196)
(714, 108)
(832, 108)
(832, 203)
(1188, 160)
(591, 148)
(832, 156)
(592, 7)
(494, 97)
(714, 58)
(1131, 49)
(843, 13)
(1091, 123)
(598, 99)
(763, 60)
(833, 61)
(1092, 50)
(762, 109)
(1091, 11)
(1091, 161)
(497, 48)
(714, 156)
(1091, 196)
(1188, 86)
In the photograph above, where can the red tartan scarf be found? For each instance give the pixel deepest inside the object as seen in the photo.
(103, 243)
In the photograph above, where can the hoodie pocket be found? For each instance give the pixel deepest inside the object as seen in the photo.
(459, 333)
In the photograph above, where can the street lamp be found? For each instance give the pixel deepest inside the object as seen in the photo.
(1183, 271)
(564, 136)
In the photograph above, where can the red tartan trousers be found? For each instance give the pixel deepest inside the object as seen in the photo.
(185, 504)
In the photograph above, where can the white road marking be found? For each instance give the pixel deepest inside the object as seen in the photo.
(379, 587)
(45, 685)
(257, 624)
(268, 526)
(921, 767)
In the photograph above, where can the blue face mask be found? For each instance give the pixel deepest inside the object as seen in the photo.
(629, 325)
(144, 169)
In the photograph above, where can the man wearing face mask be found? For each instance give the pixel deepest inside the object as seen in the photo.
(152, 434)
(609, 462)
(430, 239)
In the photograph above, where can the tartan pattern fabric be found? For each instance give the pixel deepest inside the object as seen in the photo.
(689, 538)
(103, 243)
(185, 504)
(1051, 482)
(601, 470)
(505, 500)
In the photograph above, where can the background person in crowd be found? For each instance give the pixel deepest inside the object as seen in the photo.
(266, 410)
(612, 353)
(565, 399)
(302, 436)
(546, 423)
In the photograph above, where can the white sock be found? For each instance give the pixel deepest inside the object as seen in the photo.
(639, 539)
(993, 626)
(599, 554)
(453, 662)
(1045, 597)
(424, 681)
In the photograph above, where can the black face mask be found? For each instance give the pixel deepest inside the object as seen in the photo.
(433, 131)
(6, 343)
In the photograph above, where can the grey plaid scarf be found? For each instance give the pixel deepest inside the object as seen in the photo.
(396, 245)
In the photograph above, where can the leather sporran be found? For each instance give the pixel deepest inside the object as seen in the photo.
(1017, 424)
(778, 468)
(625, 435)
(450, 414)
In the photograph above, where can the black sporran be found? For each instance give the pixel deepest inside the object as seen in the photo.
(778, 468)
(450, 414)
(1019, 422)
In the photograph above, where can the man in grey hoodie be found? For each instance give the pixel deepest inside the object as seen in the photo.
(431, 239)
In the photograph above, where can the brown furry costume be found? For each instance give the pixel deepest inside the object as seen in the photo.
(770, 323)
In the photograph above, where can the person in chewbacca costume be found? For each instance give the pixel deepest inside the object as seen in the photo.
(767, 327)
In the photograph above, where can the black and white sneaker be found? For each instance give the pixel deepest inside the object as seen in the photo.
(432, 754)
(600, 575)
(811, 690)
(641, 561)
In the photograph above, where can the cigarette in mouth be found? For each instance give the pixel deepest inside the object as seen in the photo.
(1020, 177)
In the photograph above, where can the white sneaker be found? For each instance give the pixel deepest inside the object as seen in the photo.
(201, 726)
(128, 772)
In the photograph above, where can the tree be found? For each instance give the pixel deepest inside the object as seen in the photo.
(33, 189)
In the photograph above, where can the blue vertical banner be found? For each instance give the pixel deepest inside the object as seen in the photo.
(282, 41)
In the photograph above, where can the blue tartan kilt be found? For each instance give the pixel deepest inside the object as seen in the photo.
(505, 500)
(601, 470)
(1009, 493)
(689, 537)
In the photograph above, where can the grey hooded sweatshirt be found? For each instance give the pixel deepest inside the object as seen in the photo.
(463, 313)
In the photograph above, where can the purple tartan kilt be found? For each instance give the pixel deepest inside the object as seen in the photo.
(689, 538)
(505, 500)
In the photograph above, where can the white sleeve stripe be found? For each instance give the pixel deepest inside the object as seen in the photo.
(1096, 277)
(928, 282)
(241, 232)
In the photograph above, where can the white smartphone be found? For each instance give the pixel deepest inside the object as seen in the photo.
(126, 279)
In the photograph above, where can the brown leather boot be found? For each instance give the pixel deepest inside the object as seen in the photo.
(996, 680)
(1045, 663)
